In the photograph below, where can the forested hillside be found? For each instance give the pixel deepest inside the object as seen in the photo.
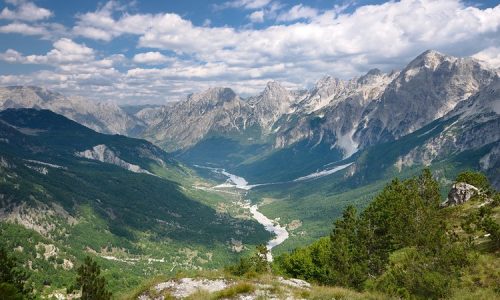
(406, 244)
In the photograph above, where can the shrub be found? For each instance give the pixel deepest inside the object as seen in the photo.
(253, 265)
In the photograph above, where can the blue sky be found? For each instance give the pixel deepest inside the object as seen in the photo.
(135, 52)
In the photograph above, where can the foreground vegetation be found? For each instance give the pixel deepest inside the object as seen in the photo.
(403, 244)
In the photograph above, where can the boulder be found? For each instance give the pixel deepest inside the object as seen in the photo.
(460, 193)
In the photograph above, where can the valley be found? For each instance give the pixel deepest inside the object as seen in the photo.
(241, 186)
(198, 186)
(250, 150)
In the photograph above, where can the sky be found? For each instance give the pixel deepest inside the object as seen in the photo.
(139, 52)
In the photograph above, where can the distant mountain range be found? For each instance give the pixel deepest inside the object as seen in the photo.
(326, 124)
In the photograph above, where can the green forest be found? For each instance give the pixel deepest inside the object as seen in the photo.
(404, 245)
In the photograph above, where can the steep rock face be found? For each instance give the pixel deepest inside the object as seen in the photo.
(330, 91)
(427, 89)
(327, 91)
(474, 123)
(187, 122)
(332, 111)
(274, 102)
(103, 154)
(102, 117)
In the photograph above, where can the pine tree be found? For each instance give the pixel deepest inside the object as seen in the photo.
(348, 257)
(12, 278)
(91, 282)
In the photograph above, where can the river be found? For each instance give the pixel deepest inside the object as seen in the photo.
(280, 232)
(237, 182)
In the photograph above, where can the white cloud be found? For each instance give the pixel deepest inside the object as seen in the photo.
(11, 56)
(25, 11)
(65, 51)
(385, 36)
(246, 4)
(23, 29)
(257, 16)
(150, 58)
(490, 56)
(93, 33)
(298, 12)
(100, 25)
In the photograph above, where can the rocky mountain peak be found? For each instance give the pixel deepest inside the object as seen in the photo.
(327, 81)
(106, 117)
(274, 101)
(274, 89)
(215, 95)
(371, 76)
(430, 59)
(374, 71)
(428, 88)
(26, 96)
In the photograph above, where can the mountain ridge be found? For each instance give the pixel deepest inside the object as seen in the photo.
(340, 117)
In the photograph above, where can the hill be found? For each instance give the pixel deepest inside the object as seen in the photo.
(67, 192)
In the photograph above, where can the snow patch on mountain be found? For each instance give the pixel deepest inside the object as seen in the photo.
(322, 173)
(347, 144)
(46, 164)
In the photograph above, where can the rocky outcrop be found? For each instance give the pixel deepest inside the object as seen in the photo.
(103, 154)
(460, 193)
(271, 288)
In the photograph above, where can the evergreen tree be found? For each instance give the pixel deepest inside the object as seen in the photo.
(91, 282)
(477, 179)
(348, 255)
(429, 189)
(255, 264)
(12, 278)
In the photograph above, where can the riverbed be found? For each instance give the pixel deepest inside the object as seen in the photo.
(237, 182)
(280, 232)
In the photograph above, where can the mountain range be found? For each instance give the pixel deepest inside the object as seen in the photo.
(139, 182)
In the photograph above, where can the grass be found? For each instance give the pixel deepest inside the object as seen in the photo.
(234, 290)
(477, 294)
(146, 286)
(481, 279)
(337, 293)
